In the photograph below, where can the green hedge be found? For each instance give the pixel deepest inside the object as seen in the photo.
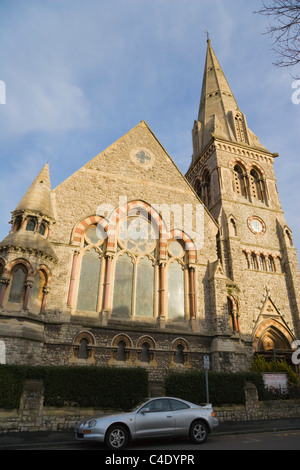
(100, 387)
(224, 388)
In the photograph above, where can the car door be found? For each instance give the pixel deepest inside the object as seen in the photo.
(155, 419)
(183, 416)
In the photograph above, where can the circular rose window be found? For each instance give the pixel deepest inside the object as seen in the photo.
(142, 157)
(137, 235)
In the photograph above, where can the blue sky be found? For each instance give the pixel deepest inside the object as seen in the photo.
(79, 74)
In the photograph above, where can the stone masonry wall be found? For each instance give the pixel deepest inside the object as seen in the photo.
(33, 416)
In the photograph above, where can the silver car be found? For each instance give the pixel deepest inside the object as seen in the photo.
(156, 417)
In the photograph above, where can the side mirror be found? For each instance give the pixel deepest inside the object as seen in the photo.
(145, 410)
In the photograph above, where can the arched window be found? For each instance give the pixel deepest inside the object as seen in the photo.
(289, 237)
(270, 264)
(246, 259)
(146, 350)
(281, 264)
(83, 347)
(261, 261)
(253, 261)
(180, 353)
(179, 356)
(240, 181)
(122, 301)
(134, 279)
(42, 228)
(145, 288)
(239, 128)
(36, 292)
(30, 226)
(83, 352)
(121, 351)
(128, 281)
(203, 187)
(231, 314)
(232, 228)
(17, 287)
(17, 224)
(38, 284)
(88, 292)
(145, 354)
(257, 185)
(175, 291)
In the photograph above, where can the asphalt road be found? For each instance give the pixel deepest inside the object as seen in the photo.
(160, 449)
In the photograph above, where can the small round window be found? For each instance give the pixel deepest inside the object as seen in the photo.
(142, 157)
(176, 249)
(95, 235)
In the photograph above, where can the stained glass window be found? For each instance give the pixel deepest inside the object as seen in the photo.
(122, 301)
(17, 285)
(176, 249)
(89, 281)
(137, 235)
(175, 291)
(145, 288)
(30, 226)
(94, 235)
(42, 229)
(35, 292)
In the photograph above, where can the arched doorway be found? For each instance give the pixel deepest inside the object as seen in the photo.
(273, 341)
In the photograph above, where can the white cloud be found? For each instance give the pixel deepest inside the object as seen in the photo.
(80, 74)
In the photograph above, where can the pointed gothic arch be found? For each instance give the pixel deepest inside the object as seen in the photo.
(273, 337)
(240, 180)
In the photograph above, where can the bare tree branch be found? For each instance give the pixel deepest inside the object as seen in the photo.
(285, 28)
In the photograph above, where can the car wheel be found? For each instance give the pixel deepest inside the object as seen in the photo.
(116, 437)
(198, 432)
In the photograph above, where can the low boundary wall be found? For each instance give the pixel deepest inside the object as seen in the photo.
(32, 415)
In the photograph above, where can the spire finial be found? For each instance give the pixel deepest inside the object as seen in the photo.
(207, 36)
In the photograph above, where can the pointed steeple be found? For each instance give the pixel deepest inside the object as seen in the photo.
(37, 198)
(31, 220)
(219, 114)
(216, 96)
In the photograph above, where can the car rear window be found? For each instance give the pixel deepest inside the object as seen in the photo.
(178, 405)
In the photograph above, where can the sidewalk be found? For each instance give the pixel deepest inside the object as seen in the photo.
(249, 427)
(24, 439)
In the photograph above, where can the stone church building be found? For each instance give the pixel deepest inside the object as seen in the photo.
(128, 262)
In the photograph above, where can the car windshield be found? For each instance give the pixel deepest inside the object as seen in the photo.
(141, 403)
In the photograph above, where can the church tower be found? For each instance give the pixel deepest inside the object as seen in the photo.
(232, 173)
(26, 255)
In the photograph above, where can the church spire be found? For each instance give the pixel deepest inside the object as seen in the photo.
(216, 96)
(219, 114)
(37, 198)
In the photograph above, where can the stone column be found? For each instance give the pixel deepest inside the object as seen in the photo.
(193, 320)
(251, 401)
(73, 274)
(28, 285)
(192, 292)
(31, 406)
(162, 316)
(3, 286)
(45, 293)
(105, 308)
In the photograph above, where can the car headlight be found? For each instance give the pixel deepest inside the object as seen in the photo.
(92, 423)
